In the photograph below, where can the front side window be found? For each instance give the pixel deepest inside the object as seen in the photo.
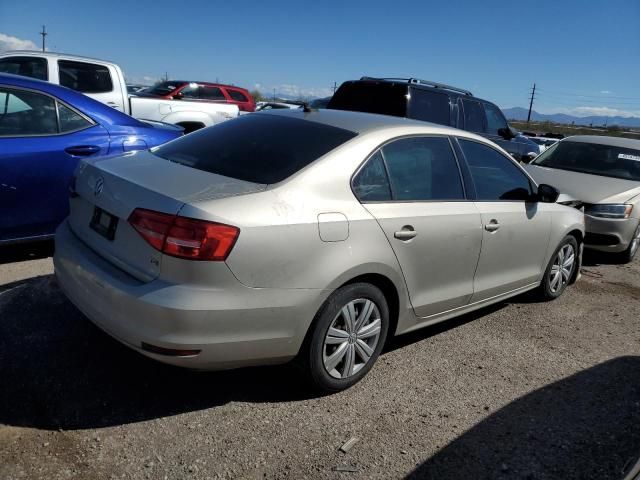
(371, 183)
(429, 106)
(423, 168)
(495, 176)
(33, 67)
(190, 91)
(473, 116)
(85, 77)
(26, 113)
(495, 119)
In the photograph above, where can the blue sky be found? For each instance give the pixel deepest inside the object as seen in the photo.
(583, 55)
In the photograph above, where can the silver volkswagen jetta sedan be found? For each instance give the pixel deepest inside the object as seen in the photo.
(306, 235)
(603, 172)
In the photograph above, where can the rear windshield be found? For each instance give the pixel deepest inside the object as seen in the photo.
(385, 98)
(596, 159)
(257, 148)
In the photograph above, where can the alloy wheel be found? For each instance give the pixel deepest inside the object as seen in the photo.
(635, 242)
(352, 338)
(562, 268)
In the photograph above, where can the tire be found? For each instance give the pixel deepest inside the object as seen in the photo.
(632, 249)
(347, 347)
(555, 280)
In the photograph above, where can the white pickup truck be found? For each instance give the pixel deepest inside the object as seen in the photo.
(104, 81)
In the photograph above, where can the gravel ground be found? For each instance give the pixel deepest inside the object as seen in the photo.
(518, 390)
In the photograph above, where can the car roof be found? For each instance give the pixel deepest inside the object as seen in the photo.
(362, 123)
(603, 140)
(90, 107)
(38, 53)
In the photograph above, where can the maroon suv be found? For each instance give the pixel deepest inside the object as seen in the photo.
(206, 92)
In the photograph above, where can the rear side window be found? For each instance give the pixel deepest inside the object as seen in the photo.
(25, 113)
(71, 121)
(385, 98)
(423, 168)
(33, 67)
(237, 96)
(371, 183)
(429, 106)
(85, 77)
(495, 176)
(473, 116)
(211, 93)
(259, 148)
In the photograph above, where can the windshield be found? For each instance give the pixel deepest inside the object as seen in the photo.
(592, 158)
(163, 88)
(259, 148)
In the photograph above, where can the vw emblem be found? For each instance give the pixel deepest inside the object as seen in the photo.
(99, 186)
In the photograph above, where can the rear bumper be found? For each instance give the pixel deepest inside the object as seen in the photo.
(231, 326)
(609, 235)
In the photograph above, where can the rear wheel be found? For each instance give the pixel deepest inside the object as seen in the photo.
(347, 337)
(560, 269)
(632, 249)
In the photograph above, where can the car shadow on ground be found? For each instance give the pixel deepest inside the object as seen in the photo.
(594, 258)
(23, 252)
(584, 426)
(59, 371)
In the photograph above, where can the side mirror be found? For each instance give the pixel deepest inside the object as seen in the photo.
(177, 96)
(506, 133)
(547, 193)
(528, 157)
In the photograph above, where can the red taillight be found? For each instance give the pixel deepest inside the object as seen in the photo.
(184, 237)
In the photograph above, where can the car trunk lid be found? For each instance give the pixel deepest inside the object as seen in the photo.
(108, 190)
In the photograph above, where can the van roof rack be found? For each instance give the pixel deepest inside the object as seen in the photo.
(422, 82)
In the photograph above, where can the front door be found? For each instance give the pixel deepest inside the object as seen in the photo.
(515, 227)
(413, 187)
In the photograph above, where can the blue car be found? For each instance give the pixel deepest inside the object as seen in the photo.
(44, 130)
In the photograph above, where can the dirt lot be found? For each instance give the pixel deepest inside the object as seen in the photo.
(519, 390)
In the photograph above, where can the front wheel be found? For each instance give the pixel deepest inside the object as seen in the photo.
(632, 249)
(560, 270)
(347, 337)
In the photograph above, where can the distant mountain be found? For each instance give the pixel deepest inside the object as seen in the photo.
(519, 113)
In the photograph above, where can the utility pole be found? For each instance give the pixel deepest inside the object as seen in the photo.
(44, 34)
(533, 92)
(274, 94)
(166, 76)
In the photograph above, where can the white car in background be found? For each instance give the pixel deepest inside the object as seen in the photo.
(543, 142)
(104, 81)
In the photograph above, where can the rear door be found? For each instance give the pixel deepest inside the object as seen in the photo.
(515, 228)
(95, 80)
(413, 187)
(41, 140)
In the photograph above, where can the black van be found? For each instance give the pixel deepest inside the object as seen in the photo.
(433, 102)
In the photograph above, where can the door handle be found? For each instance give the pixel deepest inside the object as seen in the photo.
(82, 150)
(492, 226)
(407, 233)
